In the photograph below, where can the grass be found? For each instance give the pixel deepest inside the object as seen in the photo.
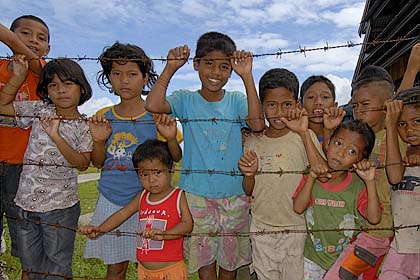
(82, 267)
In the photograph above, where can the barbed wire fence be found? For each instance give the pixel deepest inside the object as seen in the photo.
(276, 54)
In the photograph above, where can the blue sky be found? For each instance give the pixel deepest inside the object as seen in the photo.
(85, 27)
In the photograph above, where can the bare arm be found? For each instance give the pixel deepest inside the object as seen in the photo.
(413, 67)
(79, 160)
(242, 65)
(248, 164)
(366, 171)
(156, 100)
(100, 130)
(301, 201)
(18, 47)
(166, 126)
(394, 167)
(114, 220)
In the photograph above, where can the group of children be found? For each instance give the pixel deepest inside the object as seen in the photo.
(307, 224)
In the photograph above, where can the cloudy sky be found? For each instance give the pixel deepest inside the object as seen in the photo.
(85, 27)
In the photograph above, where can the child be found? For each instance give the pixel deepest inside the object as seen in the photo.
(279, 148)
(342, 200)
(59, 143)
(163, 218)
(216, 201)
(114, 144)
(28, 37)
(369, 92)
(403, 115)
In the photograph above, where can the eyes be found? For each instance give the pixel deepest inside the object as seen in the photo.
(155, 173)
(130, 74)
(222, 66)
(324, 97)
(415, 122)
(274, 105)
(40, 37)
(65, 84)
(350, 151)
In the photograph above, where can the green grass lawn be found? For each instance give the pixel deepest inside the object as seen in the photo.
(81, 267)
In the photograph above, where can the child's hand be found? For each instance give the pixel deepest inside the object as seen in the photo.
(320, 171)
(248, 164)
(19, 68)
(153, 233)
(365, 169)
(166, 126)
(99, 127)
(177, 57)
(333, 117)
(412, 160)
(296, 120)
(393, 112)
(90, 231)
(51, 124)
(241, 63)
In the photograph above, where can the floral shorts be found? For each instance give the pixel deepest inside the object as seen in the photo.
(222, 215)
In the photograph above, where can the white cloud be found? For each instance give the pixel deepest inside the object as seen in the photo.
(93, 105)
(261, 41)
(347, 17)
(342, 88)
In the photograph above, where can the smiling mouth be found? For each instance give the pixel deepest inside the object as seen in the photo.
(214, 81)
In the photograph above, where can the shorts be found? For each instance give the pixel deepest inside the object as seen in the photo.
(112, 249)
(210, 215)
(312, 271)
(9, 182)
(359, 256)
(176, 271)
(400, 266)
(277, 256)
(46, 248)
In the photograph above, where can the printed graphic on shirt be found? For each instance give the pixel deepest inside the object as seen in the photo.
(117, 149)
(144, 244)
(408, 183)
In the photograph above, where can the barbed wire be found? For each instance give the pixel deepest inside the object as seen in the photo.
(189, 120)
(277, 54)
(221, 233)
(188, 171)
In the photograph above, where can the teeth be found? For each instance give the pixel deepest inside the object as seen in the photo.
(318, 111)
(213, 80)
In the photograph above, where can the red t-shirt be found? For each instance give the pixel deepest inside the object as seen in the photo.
(164, 215)
(13, 140)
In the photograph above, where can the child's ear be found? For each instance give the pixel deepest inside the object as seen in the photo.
(47, 50)
(196, 63)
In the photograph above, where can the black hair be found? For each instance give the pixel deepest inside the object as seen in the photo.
(214, 41)
(362, 129)
(410, 97)
(121, 54)
(278, 77)
(15, 23)
(153, 149)
(374, 74)
(66, 70)
(315, 79)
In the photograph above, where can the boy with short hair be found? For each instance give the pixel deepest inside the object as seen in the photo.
(216, 201)
(372, 88)
(281, 147)
(28, 38)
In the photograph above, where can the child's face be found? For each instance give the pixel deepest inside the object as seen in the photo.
(368, 102)
(409, 125)
(65, 95)
(344, 149)
(34, 35)
(127, 80)
(214, 71)
(277, 102)
(317, 98)
(154, 176)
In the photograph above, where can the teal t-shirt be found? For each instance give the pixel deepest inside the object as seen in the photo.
(210, 145)
(333, 207)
